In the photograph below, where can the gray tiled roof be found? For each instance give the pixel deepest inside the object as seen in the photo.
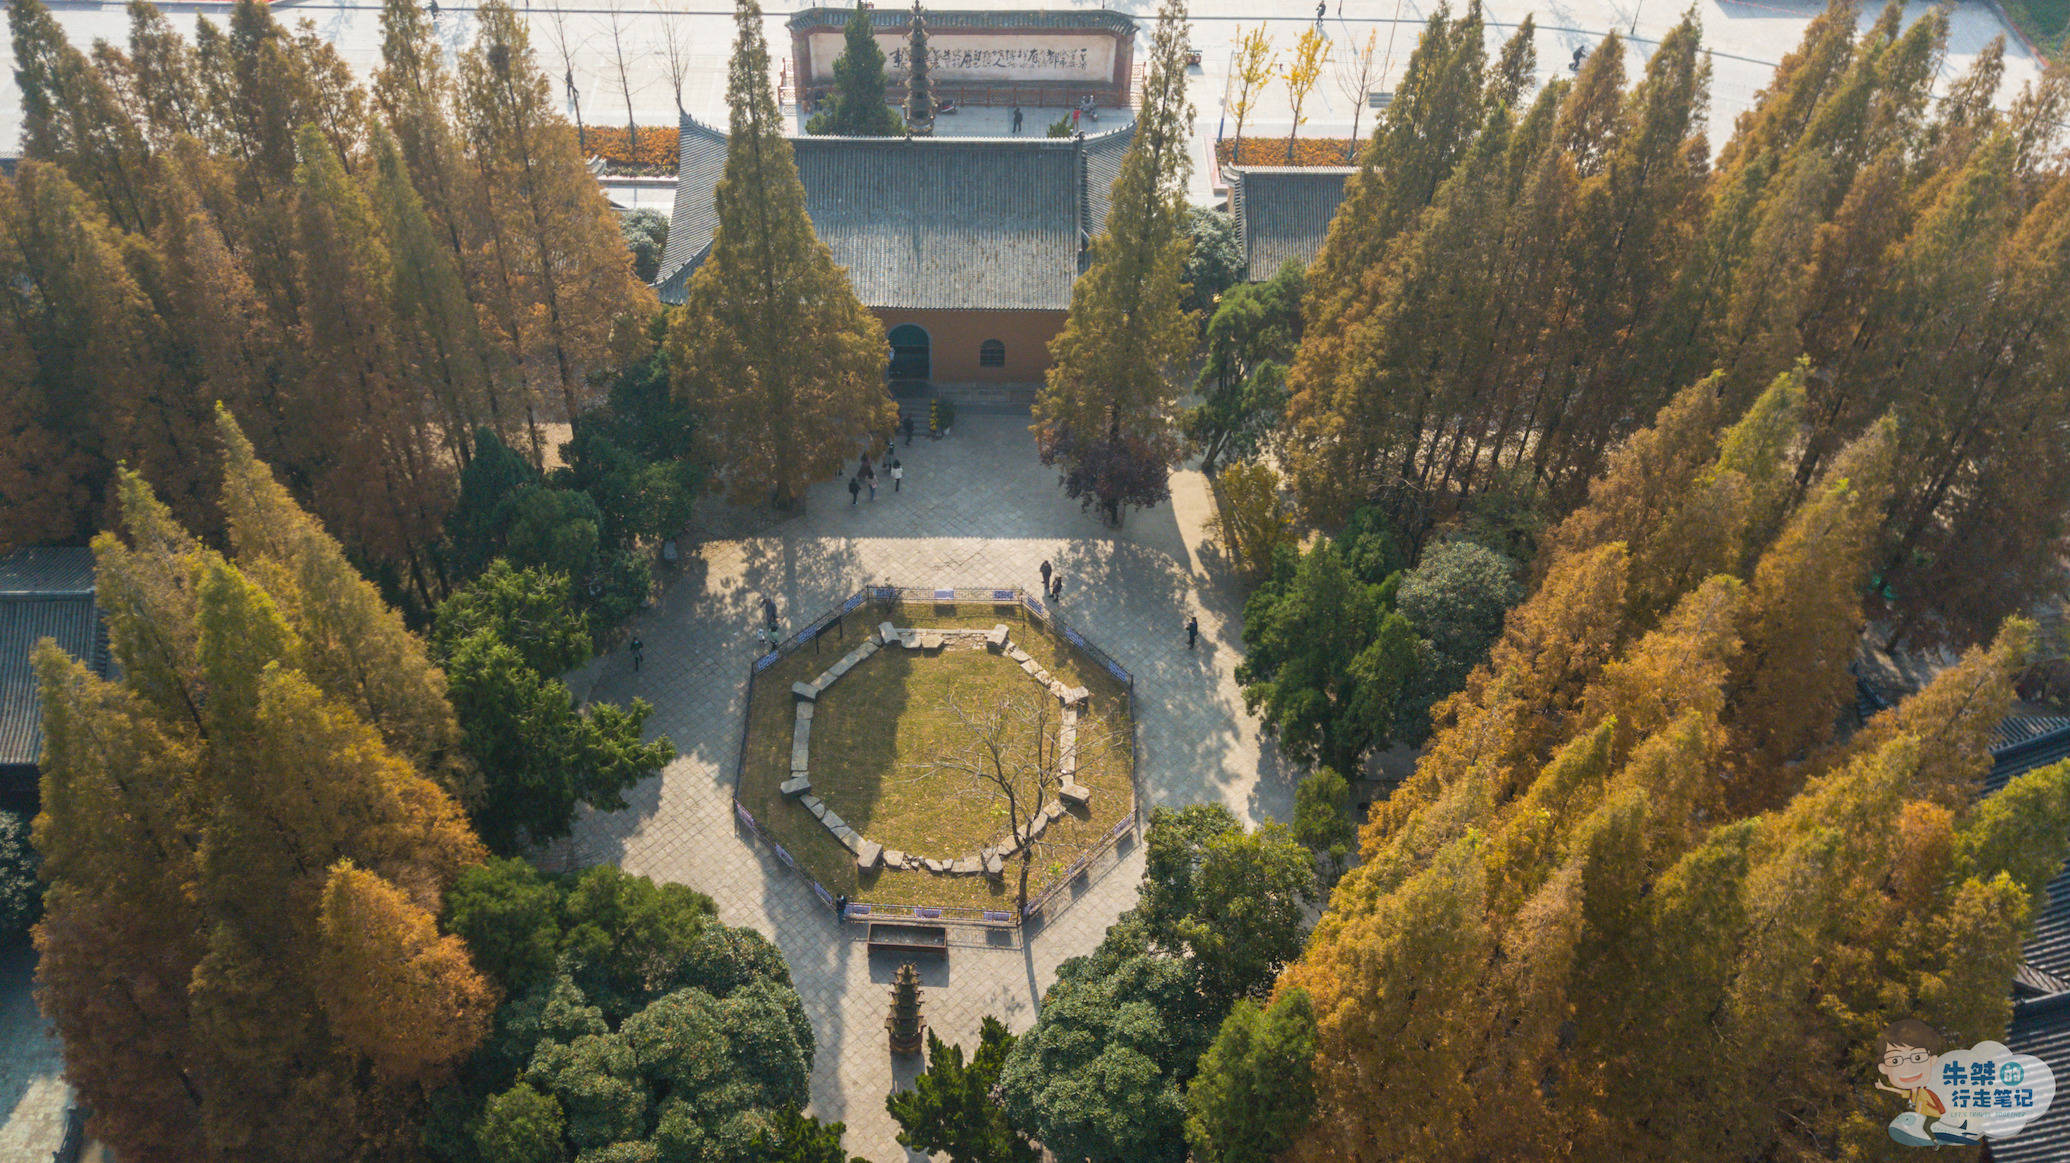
(1283, 212)
(1103, 156)
(2040, 1025)
(894, 17)
(67, 570)
(943, 222)
(2048, 947)
(2024, 743)
(44, 593)
(2042, 1028)
(700, 162)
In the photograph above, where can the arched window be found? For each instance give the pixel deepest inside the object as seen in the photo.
(991, 353)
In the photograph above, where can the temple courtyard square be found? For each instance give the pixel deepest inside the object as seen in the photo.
(977, 510)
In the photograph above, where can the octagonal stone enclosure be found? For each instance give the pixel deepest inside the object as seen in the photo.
(841, 757)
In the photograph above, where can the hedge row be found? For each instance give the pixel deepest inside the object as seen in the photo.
(1272, 151)
(656, 147)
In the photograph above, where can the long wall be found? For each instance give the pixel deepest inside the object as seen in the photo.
(954, 338)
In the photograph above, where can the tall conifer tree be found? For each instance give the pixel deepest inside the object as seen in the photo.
(1105, 411)
(562, 266)
(772, 344)
(72, 117)
(233, 847)
(1568, 909)
(857, 106)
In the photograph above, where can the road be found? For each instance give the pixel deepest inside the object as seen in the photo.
(1744, 37)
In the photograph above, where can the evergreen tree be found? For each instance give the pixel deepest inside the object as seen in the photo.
(800, 1138)
(1250, 337)
(636, 1027)
(1106, 409)
(1256, 1085)
(262, 833)
(539, 757)
(772, 345)
(856, 107)
(950, 1109)
(1102, 1073)
(1328, 661)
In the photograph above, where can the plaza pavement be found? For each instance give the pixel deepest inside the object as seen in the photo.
(978, 509)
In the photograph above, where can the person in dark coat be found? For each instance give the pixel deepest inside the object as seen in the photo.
(1045, 575)
(1192, 631)
(908, 424)
(639, 651)
(1056, 588)
(1016, 119)
(855, 488)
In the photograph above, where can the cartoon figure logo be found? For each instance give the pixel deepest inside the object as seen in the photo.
(1961, 1097)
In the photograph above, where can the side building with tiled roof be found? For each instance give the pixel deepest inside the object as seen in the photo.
(1283, 213)
(44, 593)
(2041, 986)
(966, 248)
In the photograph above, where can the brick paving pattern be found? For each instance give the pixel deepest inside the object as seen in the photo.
(978, 509)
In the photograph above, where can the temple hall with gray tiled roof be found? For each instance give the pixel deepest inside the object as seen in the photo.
(1283, 212)
(975, 241)
(44, 593)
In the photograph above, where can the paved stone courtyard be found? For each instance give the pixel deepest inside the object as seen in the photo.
(978, 509)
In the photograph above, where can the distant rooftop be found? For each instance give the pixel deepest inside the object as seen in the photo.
(927, 222)
(1283, 212)
(894, 17)
(44, 593)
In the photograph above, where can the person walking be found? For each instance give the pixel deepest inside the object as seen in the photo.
(1056, 588)
(908, 423)
(1192, 631)
(869, 476)
(768, 609)
(1016, 119)
(1075, 112)
(855, 488)
(898, 474)
(1046, 570)
(639, 651)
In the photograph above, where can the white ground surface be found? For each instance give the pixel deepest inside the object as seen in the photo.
(1745, 39)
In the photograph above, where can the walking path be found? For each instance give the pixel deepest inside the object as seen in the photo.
(978, 509)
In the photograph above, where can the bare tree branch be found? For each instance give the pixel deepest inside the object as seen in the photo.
(1011, 754)
(675, 49)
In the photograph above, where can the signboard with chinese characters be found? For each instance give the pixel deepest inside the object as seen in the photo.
(986, 57)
